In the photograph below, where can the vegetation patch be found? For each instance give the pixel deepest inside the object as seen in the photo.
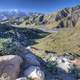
(65, 41)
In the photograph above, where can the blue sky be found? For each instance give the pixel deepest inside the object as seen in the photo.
(37, 5)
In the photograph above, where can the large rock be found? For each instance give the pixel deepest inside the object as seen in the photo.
(9, 67)
(31, 59)
(64, 64)
(34, 73)
(22, 78)
(76, 62)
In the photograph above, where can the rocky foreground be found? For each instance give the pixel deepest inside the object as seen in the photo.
(27, 66)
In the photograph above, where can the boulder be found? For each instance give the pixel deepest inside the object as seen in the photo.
(34, 73)
(10, 67)
(22, 78)
(64, 64)
(76, 62)
(31, 59)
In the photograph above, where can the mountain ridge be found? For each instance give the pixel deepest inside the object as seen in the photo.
(54, 20)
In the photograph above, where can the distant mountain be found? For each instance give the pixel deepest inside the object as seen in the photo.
(18, 17)
(68, 17)
(4, 15)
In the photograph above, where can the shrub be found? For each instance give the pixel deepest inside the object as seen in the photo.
(8, 46)
(76, 72)
(51, 65)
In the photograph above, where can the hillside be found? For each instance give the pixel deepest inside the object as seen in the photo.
(10, 36)
(65, 41)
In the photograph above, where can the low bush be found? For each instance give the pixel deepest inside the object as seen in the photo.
(8, 46)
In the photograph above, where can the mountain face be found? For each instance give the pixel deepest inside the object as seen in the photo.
(63, 18)
(4, 15)
(19, 17)
(69, 17)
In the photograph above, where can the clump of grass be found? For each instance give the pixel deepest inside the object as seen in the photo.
(52, 25)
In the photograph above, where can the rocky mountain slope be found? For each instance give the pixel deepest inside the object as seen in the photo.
(66, 40)
(28, 53)
(67, 17)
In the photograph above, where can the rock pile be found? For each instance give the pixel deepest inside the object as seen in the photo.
(11, 67)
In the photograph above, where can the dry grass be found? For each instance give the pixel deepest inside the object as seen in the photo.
(67, 40)
(52, 25)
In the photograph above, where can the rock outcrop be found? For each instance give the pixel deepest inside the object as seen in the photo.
(22, 78)
(34, 73)
(31, 60)
(10, 67)
(64, 64)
